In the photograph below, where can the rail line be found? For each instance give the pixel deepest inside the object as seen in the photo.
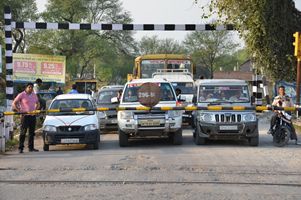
(123, 182)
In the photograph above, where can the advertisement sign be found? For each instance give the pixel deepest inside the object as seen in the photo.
(29, 67)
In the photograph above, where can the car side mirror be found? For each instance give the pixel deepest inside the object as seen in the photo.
(114, 100)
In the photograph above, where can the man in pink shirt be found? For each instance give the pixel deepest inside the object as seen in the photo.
(27, 101)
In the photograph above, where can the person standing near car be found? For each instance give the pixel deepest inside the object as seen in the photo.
(37, 89)
(74, 89)
(27, 101)
(59, 91)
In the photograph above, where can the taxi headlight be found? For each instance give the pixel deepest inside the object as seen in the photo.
(125, 115)
(174, 113)
(206, 117)
(49, 128)
(249, 117)
(90, 127)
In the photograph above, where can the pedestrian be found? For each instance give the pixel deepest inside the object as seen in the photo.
(59, 91)
(37, 90)
(74, 89)
(27, 101)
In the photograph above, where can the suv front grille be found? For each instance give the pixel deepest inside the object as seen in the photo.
(228, 117)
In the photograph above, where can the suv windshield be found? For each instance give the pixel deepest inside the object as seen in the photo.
(106, 96)
(224, 94)
(131, 92)
(186, 88)
(72, 103)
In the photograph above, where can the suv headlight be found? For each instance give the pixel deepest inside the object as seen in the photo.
(90, 127)
(249, 117)
(125, 115)
(174, 113)
(102, 115)
(206, 117)
(49, 128)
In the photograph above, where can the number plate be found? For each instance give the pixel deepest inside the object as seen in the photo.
(228, 128)
(70, 140)
(150, 122)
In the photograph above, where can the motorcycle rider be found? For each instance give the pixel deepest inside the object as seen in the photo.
(282, 100)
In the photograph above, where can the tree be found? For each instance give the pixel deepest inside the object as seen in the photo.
(153, 45)
(85, 49)
(267, 26)
(206, 47)
(22, 10)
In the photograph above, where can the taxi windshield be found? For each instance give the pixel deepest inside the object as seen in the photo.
(72, 103)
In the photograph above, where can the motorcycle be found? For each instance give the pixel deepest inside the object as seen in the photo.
(283, 130)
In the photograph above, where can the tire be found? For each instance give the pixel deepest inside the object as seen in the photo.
(46, 147)
(281, 136)
(197, 139)
(123, 139)
(254, 141)
(177, 138)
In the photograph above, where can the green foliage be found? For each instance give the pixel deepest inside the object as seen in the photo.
(207, 47)
(153, 45)
(267, 26)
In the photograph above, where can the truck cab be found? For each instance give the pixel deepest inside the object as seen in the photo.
(224, 124)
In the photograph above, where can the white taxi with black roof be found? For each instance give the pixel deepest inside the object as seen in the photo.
(69, 127)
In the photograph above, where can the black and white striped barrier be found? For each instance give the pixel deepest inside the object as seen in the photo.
(122, 27)
(8, 128)
(257, 85)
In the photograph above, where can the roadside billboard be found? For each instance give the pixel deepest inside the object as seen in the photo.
(29, 67)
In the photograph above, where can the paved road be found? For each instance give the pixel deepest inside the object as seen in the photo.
(155, 169)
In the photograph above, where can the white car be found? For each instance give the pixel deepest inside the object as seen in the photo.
(71, 127)
(155, 123)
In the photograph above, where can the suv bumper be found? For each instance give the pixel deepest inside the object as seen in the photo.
(228, 131)
(87, 137)
(134, 127)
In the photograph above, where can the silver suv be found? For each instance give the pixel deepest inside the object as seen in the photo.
(224, 124)
(154, 123)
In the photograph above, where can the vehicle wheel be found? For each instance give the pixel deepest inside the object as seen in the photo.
(123, 139)
(177, 137)
(254, 141)
(46, 147)
(197, 139)
(281, 136)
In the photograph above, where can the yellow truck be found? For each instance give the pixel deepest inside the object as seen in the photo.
(146, 65)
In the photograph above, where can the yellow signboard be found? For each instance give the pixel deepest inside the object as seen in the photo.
(29, 67)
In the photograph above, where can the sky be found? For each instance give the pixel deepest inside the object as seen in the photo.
(162, 12)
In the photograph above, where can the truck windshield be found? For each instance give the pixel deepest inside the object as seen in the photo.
(131, 92)
(186, 88)
(210, 94)
(148, 67)
(72, 103)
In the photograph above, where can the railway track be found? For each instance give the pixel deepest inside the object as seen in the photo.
(123, 182)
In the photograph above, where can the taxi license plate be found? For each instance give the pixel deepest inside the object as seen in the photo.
(150, 122)
(70, 140)
(228, 128)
